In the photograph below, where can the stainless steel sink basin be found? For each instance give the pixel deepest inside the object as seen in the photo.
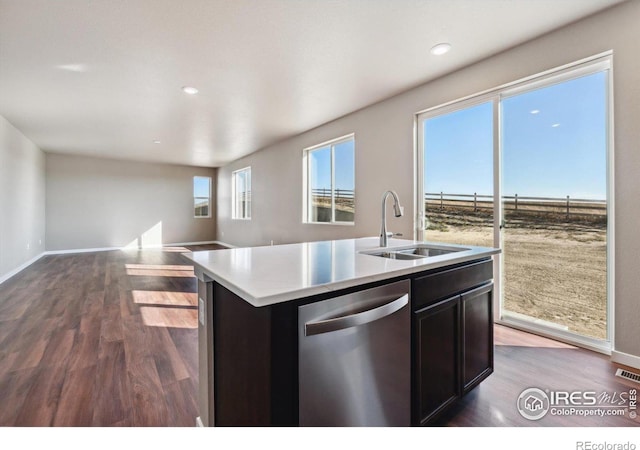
(415, 252)
(427, 251)
(396, 255)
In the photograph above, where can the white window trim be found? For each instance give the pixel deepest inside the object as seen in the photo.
(583, 67)
(307, 192)
(234, 212)
(208, 216)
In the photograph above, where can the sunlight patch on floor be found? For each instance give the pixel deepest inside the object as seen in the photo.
(153, 316)
(159, 270)
(164, 298)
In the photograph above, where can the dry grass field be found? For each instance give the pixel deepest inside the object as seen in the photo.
(555, 270)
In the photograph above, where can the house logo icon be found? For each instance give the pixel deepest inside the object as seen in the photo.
(533, 404)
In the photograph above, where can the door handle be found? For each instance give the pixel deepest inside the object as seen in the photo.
(353, 320)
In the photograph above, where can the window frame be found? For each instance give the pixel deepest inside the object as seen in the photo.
(306, 180)
(208, 216)
(246, 211)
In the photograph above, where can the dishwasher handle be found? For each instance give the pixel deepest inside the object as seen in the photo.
(353, 320)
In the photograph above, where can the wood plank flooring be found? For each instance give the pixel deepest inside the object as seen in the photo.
(110, 339)
(100, 339)
(524, 360)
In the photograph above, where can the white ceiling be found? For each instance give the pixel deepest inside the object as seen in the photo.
(266, 69)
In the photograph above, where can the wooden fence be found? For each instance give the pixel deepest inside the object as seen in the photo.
(344, 198)
(475, 202)
(546, 205)
(339, 193)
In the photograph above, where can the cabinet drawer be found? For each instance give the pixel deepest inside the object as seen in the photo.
(437, 286)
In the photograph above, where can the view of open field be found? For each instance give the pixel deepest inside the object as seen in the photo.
(555, 269)
(555, 251)
(343, 200)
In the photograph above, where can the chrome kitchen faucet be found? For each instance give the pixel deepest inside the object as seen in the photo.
(398, 210)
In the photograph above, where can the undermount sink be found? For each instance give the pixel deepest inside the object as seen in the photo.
(415, 252)
(428, 251)
(396, 255)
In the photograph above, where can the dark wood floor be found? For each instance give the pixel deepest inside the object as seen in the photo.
(100, 339)
(524, 360)
(110, 339)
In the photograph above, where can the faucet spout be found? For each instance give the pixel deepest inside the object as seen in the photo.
(398, 211)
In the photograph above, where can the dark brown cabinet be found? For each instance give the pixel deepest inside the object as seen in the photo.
(249, 357)
(437, 349)
(477, 336)
(453, 336)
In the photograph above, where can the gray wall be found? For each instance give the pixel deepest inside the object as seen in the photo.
(384, 152)
(22, 194)
(97, 203)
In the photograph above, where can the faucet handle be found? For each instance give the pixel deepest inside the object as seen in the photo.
(390, 234)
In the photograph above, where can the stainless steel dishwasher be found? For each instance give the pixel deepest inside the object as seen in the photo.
(354, 359)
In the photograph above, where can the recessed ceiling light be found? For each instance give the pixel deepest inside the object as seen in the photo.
(440, 49)
(157, 142)
(189, 90)
(555, 125)
(73, 67)
(534, 111)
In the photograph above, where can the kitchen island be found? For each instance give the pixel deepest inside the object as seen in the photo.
(258, 350)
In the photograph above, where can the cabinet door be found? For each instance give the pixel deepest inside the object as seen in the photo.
(437, 362)
(477, 336)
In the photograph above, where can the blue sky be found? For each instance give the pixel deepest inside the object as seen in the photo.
(554, 144)
(344, 166)
(201, 186)
(459, 152)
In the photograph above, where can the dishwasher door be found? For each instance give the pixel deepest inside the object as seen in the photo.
(354, 359)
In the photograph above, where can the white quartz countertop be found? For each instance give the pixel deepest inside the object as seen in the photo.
(273, 274)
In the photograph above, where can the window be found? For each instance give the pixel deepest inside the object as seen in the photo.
(458, 171)
(330, 182)
(241, 193)
(202, 197)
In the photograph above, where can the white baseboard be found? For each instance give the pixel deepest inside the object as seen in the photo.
(108, 249)
(625, 359)
(224, 244)
(176, 244)
(201, 243)
(82, 250)
(20, 268)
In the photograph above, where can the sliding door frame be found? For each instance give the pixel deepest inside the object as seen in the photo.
(587, 66)
(420, 222)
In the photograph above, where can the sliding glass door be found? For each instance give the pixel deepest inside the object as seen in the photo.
(458, 176)
(526, 168)
(554, 178)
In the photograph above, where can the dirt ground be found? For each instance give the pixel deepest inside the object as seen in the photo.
(554, 272)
